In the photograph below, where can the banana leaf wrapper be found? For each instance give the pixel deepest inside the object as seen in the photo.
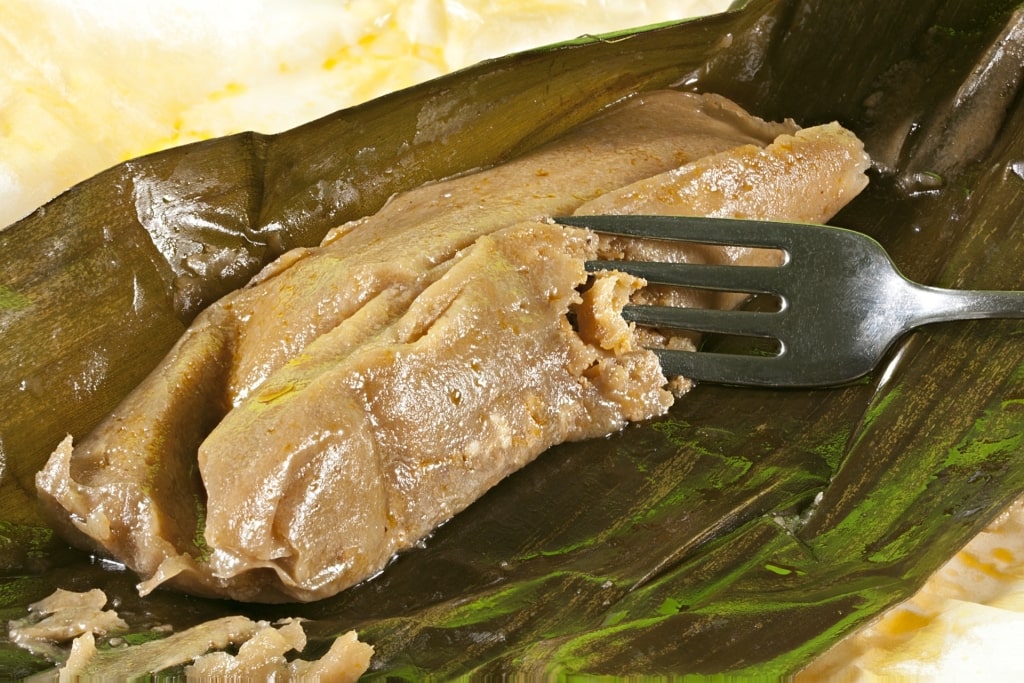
(745, 532)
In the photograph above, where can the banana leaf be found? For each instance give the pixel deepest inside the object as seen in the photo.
(746, 531)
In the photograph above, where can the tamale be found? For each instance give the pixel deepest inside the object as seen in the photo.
(380, 383)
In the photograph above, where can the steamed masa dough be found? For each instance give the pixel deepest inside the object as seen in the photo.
(355, 395)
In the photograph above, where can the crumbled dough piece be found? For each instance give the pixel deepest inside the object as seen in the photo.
(262, 657)
(66, 616)
(61, 617)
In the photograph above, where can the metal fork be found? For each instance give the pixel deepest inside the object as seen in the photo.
(843, 301)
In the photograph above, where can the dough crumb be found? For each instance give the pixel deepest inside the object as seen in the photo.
(64, 626)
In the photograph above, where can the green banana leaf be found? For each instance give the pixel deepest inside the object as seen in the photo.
(746, 531)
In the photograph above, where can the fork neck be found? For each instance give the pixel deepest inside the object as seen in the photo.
(936, 304)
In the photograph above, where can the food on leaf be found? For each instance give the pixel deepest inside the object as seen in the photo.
(356, 395)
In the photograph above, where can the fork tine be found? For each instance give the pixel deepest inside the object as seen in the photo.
(709, 320)
(721, 368)
(750, 279)
(726, 231)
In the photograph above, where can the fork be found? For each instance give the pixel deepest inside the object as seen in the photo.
(843, 303)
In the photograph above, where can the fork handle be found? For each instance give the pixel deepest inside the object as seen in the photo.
(935, 304)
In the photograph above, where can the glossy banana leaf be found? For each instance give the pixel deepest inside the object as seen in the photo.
(743, 533)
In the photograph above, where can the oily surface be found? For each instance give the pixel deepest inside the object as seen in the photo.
(380, 383)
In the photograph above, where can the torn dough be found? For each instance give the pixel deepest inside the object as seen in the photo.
(66, 616)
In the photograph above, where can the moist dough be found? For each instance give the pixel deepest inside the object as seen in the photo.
(355, 395)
